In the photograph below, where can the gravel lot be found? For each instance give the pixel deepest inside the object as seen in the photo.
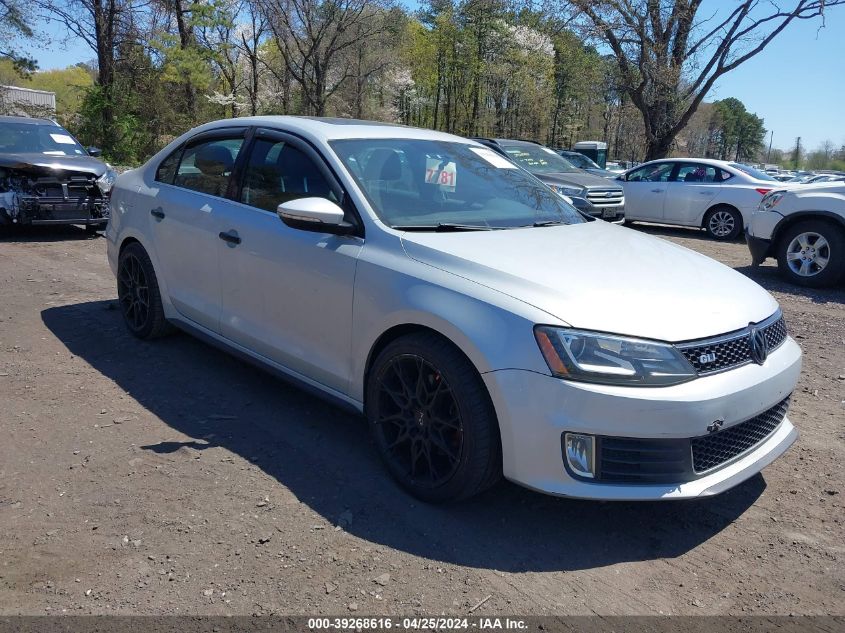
(171, 478)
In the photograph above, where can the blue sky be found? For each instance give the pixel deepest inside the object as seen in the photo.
(796, 84)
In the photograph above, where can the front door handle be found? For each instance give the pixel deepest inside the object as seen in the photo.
(158, 213)
(657, 191)
(230, 237)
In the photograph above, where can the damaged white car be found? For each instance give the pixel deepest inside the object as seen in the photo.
(47, 177)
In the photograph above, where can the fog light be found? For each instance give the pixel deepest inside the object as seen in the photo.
(580, 453)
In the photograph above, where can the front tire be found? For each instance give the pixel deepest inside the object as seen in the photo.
(432, 419)
(138, 294)
(723, 223)
(812, 253)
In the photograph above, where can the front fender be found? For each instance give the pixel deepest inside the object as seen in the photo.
(493, 330)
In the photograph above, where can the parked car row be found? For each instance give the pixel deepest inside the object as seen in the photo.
(47, 177)
(481, 324)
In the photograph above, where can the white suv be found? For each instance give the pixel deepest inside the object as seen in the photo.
(804, 229)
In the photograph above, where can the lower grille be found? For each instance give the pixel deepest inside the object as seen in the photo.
(651, 461)
(715, 449)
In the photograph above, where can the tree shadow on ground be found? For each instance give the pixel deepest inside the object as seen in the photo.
(325, 458)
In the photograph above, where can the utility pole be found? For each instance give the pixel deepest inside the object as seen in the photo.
(769, 153)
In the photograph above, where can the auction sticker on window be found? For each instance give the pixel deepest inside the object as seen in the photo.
(438, 173)
(63, 139)
(493, 158)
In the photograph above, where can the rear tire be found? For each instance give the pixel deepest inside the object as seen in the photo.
(432, 419)
(812, 253)
(723, 223)
(138, 294)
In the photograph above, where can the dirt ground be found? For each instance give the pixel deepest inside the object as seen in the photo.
(169, 478)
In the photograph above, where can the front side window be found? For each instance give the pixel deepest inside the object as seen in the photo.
(277, 172)
(651, 173)
(207, 165)
(581, 161)
(427, 183)
(167, 168)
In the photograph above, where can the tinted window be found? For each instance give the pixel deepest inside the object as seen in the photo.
(207, 166)
(754, 173)
(423, 183)
(651, 173)
(278, 172)
(696, 172)
(167, 168)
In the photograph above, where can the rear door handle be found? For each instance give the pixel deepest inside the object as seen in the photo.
(157, 213)
(657, 191)
(230, 237)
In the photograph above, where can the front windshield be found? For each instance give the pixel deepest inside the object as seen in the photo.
(581, 161)
(538, 159)
(429, 184)
(29, 138)
(754, 173)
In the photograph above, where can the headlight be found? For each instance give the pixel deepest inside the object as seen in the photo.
(105, 182)
(770, 200)
(567, 191)
(611, 360)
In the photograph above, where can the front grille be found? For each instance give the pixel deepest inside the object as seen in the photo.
(653, 461)
(605, 197)
(732, 350)
(710, 451)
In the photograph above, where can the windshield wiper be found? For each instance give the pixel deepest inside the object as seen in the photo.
(444, 227)
(549, 223)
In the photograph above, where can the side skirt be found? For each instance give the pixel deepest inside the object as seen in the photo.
(313, 387)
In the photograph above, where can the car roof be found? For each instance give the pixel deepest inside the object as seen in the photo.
(27, 120)
(514, 141)
(704, 161)
(329, 129)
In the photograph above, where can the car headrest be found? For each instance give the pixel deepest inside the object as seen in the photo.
(214, 160)
(383, 164)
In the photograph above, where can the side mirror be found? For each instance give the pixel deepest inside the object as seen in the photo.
(94, 151)
(314, 214)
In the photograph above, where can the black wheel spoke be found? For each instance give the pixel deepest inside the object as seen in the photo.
(418, 421)
(133, 292)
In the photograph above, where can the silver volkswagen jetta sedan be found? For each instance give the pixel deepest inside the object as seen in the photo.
(482, 325)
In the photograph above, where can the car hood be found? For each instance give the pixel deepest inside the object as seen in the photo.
(580, 178)
(40, 162)
(598, 276)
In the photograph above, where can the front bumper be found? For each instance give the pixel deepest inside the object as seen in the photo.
(760, 249)
(53, 210)
(615, 214)
(759, 233)
(534, 410)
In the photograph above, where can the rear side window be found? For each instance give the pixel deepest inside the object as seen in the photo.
(167, 168)
(696, 172)
(278, 172)
(207, 165)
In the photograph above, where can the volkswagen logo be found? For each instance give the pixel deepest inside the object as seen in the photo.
(758, 345)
